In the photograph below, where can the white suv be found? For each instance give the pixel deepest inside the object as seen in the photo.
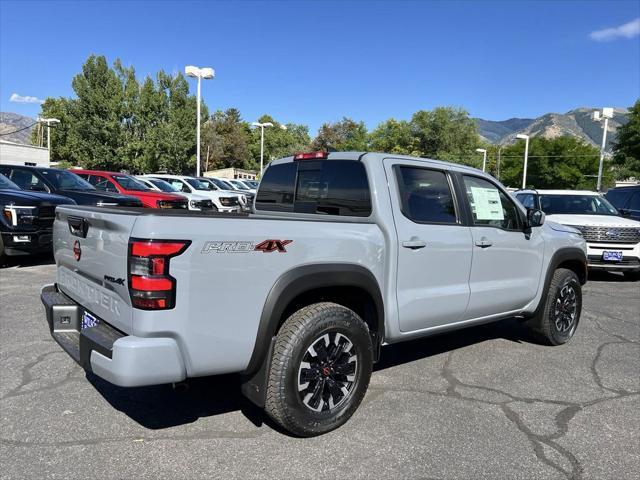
(196, 202)
(613, 242)
(223, 202)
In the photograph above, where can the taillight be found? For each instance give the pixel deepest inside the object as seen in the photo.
(311, 156)
(150, 285)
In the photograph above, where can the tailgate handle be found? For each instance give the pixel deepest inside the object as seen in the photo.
(78, 226)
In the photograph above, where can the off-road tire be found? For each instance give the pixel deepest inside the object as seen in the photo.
(553, 325)
(299, 333)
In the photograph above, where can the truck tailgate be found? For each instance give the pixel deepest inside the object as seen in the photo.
(91, 250)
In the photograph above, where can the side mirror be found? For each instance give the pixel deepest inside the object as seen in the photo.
(535, 217)
(624, 212)
(37, 188)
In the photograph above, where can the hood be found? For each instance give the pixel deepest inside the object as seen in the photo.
(29, 198)
(594, 220)
(558, 227)
(97, 197)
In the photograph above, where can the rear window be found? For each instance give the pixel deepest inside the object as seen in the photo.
(325, 187)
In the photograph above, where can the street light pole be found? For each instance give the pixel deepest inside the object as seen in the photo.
(526, 157)
(261, 126)
(199, 73)
(484, 158)
(606, 114)
(48, 121)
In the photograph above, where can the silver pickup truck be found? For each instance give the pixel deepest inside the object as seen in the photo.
(346, 253)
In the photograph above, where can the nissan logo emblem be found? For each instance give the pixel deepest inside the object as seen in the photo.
(77, 251)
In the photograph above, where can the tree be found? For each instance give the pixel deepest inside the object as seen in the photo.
(281, 140)
(345, 135)
(563, 163)
(62, 139)
(225, 140)
(626, 150)
(445, 133)
(394, 137)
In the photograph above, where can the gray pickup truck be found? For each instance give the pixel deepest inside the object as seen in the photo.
(346, 253)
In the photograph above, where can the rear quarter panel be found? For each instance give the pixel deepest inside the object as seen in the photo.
(222, 287)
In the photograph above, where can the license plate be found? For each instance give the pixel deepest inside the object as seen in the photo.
(88, 321)
(609, 256)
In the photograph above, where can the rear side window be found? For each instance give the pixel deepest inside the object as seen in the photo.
(426, 195)
(325, 187)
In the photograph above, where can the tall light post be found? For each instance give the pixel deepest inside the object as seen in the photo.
(524, 137)
(605, 115)
(484, 158)
(199, 73)
(48, 121)
(262, 126)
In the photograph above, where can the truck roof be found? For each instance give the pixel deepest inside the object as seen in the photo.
(559, 192)
(376, 157)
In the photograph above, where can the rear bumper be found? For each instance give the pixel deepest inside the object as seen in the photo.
(124, 360)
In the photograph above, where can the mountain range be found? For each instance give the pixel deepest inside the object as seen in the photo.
(577, 123)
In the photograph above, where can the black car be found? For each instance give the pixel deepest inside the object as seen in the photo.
(626, 200)
(26, 219)
(65, 183)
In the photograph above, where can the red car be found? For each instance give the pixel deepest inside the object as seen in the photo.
(128, 185)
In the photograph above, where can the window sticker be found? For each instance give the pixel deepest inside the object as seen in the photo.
(486, 204)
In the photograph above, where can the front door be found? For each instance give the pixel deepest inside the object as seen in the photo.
(434, 247)
(507, 260)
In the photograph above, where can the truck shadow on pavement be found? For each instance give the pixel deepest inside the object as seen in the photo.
(165, 406)
(23, 261)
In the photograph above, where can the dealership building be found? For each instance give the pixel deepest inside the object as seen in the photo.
(19, 154)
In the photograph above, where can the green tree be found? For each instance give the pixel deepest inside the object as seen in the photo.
(563, 163)
(345, 135)
(445, 133)
(626, 150)
(225, 141)
(281, 140)
(393, 136)
(62, 139)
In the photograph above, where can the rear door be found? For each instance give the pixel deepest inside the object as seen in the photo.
(507, 261)
(434, 247)
(91, 250)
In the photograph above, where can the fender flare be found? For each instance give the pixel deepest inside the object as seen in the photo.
(559, 257)
(287, 287)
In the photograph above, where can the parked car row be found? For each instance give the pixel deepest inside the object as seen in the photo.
(612, 235)
(29, 195)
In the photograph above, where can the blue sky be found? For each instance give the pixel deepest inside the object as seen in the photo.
(310, 62)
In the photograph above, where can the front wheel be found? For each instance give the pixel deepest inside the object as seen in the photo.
(320, 369)
(558, 320)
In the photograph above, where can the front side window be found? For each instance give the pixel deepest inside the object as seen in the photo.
(106, 186)
(426, 195)
(634, 203)
(6, 184)
(491, 207)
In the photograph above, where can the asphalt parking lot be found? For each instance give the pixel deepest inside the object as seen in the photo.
(479, 403)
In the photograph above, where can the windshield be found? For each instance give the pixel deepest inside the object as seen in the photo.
(239, 185)
(223, 184)
(576, 205)
(6, 184)
(200, 184)
(162, 185)
(251, 183)
(63, 180)
(130, 183)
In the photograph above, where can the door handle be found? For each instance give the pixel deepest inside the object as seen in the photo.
(484, 242)
(414, 243)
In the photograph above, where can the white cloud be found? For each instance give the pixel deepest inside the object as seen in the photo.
(628, 30)
(26, 99)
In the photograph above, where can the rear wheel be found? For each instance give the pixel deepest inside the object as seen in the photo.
(558, 320)
(320, 369)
